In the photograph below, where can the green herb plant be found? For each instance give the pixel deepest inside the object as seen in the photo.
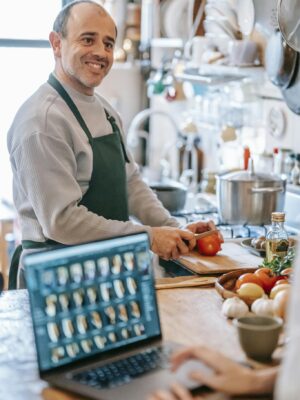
(278, 264)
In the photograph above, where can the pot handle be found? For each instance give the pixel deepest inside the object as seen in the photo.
(267, 190)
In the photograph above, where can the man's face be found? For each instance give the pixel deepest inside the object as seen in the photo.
(86, 53)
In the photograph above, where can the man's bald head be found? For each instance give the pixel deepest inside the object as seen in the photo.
(61, 21)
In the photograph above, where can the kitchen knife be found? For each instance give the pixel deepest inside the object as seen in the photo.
(198, 236)
(204, 234)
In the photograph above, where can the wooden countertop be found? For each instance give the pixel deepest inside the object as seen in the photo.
(188, 316)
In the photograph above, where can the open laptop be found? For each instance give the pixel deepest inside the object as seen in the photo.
(96, 321)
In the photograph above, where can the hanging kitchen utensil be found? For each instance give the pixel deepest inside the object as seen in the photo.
(280, 60)
(291, 94)
(289, 25)
(289, 21)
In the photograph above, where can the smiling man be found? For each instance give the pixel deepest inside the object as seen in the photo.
(74, 179)
(83, 41)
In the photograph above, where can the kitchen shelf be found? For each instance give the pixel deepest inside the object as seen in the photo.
(194, 76)
(211, 75)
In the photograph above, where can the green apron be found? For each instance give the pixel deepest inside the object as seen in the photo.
(107, 192)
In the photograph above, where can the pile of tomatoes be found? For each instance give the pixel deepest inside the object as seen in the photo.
(264, 278)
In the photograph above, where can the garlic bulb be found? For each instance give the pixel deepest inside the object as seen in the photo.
(234, 307)
(263, 307)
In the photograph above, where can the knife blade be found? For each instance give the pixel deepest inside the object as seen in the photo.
(204, 234)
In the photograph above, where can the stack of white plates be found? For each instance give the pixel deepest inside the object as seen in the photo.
(246, 16)
(221, 23)
(176, 18)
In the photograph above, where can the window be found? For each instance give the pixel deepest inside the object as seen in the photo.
(30, 19)
(26, 61)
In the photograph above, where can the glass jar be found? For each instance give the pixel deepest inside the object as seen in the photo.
(277, 240)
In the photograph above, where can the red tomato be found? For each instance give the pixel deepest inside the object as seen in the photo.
(209, 245)
(267, 278)
(249, 277)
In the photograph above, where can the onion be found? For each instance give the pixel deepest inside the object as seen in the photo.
(280, 303)
(276, 289)
(250, 291)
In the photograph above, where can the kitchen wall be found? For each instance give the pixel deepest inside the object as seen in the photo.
(124, 88)
(282, 126)
(268, 123)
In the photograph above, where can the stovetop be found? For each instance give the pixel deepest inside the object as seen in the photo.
(209, 211)
(229, 231)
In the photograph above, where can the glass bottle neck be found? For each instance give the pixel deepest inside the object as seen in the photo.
(278, 225)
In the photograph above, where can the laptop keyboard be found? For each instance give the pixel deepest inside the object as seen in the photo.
(123, 371)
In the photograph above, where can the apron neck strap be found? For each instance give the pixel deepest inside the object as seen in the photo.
(116, 129)
(63, 93)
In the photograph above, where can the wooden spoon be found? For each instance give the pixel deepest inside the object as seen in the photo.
(181, 282)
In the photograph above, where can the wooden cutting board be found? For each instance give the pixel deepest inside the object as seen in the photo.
(233, 256)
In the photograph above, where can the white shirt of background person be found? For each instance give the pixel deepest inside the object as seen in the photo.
(288, 382)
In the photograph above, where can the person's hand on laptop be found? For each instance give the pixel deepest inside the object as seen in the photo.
(177, 392)
(225, 376)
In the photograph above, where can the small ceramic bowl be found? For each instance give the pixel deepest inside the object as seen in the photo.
(258, 336)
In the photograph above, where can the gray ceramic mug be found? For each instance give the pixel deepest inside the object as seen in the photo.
(258, 335)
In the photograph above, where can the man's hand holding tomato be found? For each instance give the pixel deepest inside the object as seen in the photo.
(209, 245)
(171, 243)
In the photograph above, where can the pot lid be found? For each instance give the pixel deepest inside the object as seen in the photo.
(248, 176)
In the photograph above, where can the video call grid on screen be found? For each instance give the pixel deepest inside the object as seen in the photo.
(98, 297)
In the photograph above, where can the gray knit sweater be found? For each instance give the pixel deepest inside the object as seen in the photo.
(52, 165)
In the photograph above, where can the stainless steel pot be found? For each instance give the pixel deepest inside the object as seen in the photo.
(245, 197)
(171, 193)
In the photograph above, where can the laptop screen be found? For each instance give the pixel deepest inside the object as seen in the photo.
(91, 298)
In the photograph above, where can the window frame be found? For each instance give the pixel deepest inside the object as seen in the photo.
(29, 43)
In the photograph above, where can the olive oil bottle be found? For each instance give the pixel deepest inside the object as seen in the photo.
(277, 240)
